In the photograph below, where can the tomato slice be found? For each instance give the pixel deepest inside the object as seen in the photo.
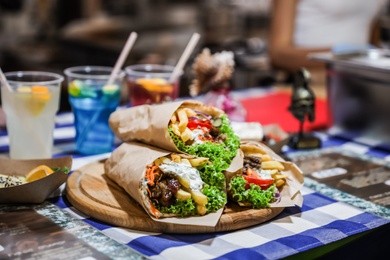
(194, 123)
(263, 183)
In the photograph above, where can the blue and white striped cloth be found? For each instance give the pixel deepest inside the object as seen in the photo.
(320, 221)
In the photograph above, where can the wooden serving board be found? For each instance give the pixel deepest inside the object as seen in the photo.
(92, 192)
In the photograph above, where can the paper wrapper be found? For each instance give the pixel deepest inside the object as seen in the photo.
(36, 191)
(149, 123)
(127, 167)
(290, 192)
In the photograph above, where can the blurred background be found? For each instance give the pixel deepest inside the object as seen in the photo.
(52, 35)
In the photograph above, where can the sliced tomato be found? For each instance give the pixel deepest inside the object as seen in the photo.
(263, 183)
(194, 123)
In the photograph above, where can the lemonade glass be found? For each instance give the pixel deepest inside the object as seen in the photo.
(30, 108)
(149, 84)
(92, 102)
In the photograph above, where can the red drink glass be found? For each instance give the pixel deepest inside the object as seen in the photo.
(149, 84)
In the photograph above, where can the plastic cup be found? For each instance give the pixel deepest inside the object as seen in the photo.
(30, 110)
(92, 102)
(148, 84)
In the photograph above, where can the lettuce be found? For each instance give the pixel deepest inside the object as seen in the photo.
(64, 169)
(221, 155)
(216, 199)
(212, 174)
(184, 208)
(255, 195)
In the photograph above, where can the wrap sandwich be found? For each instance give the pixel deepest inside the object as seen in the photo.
(264, 178)
(184, 126)
(165, 184)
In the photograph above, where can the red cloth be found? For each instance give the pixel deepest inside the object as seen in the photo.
(273, 109)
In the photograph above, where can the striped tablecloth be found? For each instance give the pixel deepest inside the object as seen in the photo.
(320, 221)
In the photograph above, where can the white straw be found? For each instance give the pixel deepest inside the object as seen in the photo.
(4, 81)
(184, 57)
(122, 57)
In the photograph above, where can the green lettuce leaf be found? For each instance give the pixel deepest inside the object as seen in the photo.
(216, 198)
(64, 169)
(184, 208)
(255, 195)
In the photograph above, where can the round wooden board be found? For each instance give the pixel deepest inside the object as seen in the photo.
(92, 192)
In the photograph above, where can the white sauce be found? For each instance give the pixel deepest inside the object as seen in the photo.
(184, 170)
(195, 136)
(264, 174)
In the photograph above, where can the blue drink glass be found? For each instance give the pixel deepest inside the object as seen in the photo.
(92, 102)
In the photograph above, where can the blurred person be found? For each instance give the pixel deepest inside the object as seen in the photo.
(301, 27)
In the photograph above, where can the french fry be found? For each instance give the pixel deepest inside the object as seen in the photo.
(251, 149)
(198, 197)
(165, 160)
(183, 120)
(186, 161)
(186, 135)
(184, 181)
(201, 209)
(280, 176)
(263, 157)
(157, 162)
(175, 129)
(195, 162)
(279, 183)
(182, 195)
(173, 119)
(269, 165)
(176, 158)
(274, 172)
(190, 112)
(254, 154)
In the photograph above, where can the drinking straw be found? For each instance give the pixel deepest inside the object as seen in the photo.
(118, 65)
(184, 57)
(4, 81)
(122, 57)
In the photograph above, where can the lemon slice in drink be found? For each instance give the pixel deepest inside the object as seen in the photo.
(38, 172)
(34, 98)
(24, 90)
(40, 95)
(155, 85)
(110, 89)
(75, 87)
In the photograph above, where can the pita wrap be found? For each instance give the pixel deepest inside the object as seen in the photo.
(165, 184)
(264, 179)
(149, 123)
